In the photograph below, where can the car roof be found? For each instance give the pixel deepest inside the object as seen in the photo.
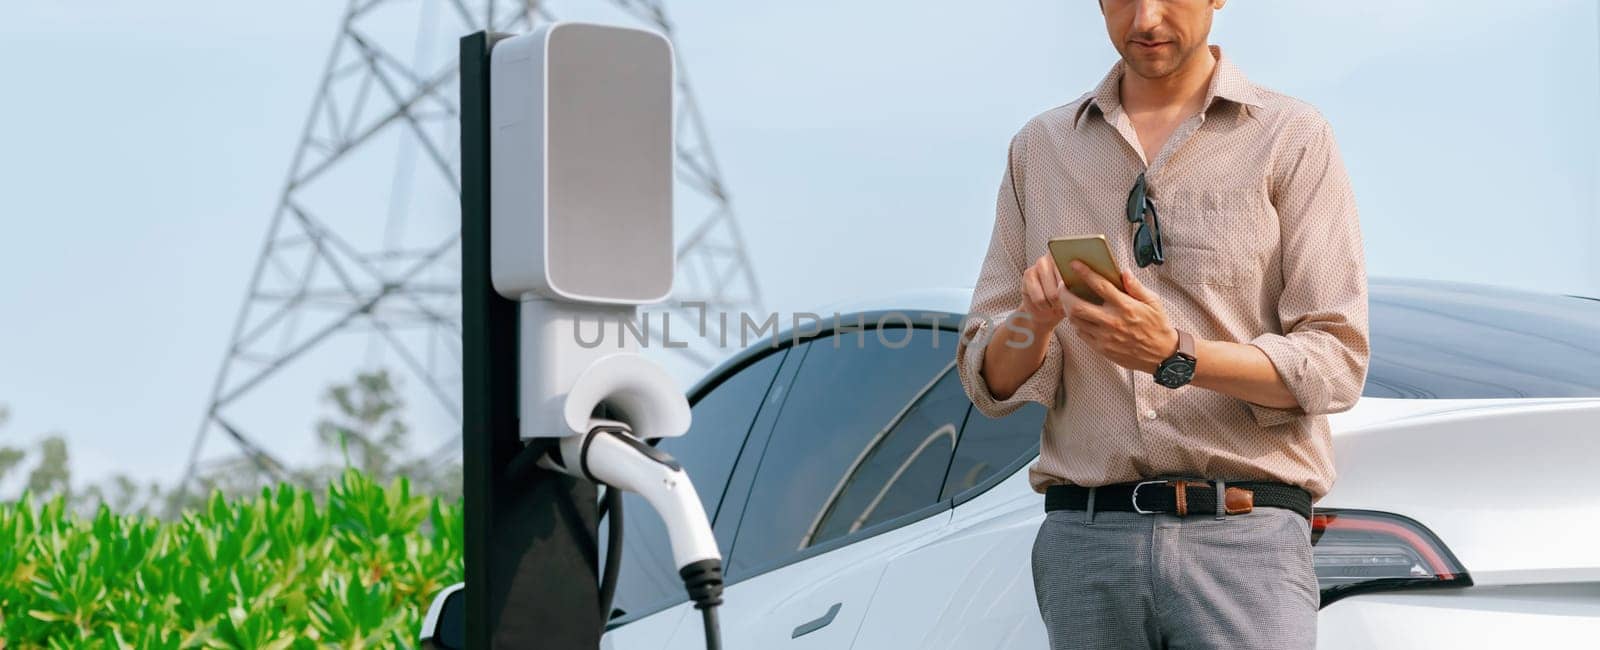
(956, 300)
(1407, 316)
(951, 300)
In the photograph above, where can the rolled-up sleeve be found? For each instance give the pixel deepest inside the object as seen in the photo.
(1323, 351)
(995, 299)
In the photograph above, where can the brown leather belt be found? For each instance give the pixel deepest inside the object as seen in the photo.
(1181, 497)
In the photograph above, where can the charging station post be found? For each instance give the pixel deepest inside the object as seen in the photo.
(531, 559)
(567, 175)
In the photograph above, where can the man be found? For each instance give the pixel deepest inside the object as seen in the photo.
(1243, 324)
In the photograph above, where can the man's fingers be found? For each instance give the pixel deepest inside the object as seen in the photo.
(1050, 280)
(1031, 288)
(1088, 314)
(1068, 299)
(1137, 290)
(1097, 283)
(1039, 277)
(1081, 312)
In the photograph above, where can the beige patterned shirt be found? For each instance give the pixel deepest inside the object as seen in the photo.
(1262, 245)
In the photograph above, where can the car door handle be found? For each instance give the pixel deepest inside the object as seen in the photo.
(807, 628)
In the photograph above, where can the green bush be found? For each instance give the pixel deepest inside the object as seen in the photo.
(280, 570)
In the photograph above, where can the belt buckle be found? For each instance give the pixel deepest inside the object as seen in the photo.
(1134, 497)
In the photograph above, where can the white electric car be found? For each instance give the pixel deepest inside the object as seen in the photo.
(860, 501)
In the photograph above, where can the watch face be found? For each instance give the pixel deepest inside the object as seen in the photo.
(1175, 372)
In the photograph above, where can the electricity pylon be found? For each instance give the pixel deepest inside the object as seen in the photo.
(348, 254)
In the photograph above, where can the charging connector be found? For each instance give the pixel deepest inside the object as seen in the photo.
(608, 453)
(703, 579)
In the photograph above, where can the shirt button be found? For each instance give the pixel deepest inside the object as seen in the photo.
(1149, 414)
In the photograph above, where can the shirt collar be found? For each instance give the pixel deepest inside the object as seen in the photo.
(1227, 82)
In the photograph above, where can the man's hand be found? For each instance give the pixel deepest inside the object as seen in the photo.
(1041, 307)
(1019, 349)
(1130, 329)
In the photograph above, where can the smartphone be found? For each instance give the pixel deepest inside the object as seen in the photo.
(1091, 250)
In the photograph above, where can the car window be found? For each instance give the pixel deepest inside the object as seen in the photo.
(865, 436)
(647, 580)
(1447, 340)
(989, 445)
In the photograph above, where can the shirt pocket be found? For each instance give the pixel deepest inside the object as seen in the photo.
(1214, 236)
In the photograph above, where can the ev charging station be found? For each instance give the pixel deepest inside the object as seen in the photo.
(566, 208)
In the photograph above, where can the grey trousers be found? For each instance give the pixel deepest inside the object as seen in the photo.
(1112, 579)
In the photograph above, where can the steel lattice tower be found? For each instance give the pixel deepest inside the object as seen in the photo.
(346, 252)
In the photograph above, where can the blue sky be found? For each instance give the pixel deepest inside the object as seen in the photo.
(143, 147)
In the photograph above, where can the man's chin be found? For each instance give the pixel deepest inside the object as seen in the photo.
(1151, 68)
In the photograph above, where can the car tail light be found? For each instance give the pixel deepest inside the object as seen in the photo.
(1358, 551)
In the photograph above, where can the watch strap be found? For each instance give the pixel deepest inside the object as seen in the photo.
(1185, 344)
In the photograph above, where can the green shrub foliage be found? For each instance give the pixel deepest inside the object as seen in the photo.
(354, 568)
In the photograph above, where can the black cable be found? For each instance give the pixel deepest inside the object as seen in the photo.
(713, 635)
(527, 458)
(704, 582)
(612, 507)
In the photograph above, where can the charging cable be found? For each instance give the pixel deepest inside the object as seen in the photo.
(609, 454)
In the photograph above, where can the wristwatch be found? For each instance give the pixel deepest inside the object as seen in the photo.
(1177, 369)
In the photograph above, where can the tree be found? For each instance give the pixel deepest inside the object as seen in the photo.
(10, 457)
(52, 475)
(368, 432)
(365, 431)
(368, 421)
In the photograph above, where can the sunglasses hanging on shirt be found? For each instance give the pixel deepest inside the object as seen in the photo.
(1147, 238)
